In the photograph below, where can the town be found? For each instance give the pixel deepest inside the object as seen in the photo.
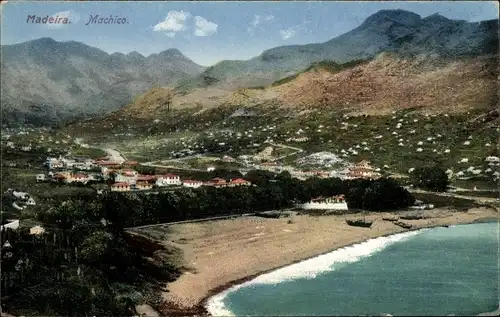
(123, 176)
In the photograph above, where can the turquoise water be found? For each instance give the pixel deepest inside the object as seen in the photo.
(440, 271)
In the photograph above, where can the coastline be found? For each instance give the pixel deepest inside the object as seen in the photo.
(436, 218)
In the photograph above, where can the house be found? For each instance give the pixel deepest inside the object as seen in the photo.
(143, 186)
(68, 163)
(167, 180)
(53, 163)
(127, 176)
(192, 183)
(60, 177)
(78, 178)
(492, 159)
(11, 224)
(239, 182)
(120, 187)
(146, 178)
(108, 164)
(217, 182)
(227, 159)
(129, 163)
(37, 230)
(20, 195)
(362, 170)
(320, 174)
(331, 203)
(40, 177)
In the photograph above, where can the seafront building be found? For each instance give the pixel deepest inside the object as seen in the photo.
(329, 203)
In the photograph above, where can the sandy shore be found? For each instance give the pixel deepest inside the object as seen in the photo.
(220, 253)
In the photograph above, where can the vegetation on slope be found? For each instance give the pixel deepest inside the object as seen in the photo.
(326, 65)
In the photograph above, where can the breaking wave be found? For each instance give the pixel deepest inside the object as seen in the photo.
(311, 268)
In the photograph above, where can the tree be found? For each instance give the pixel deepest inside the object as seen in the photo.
(259, 177)
(431, 178)
(169, 96)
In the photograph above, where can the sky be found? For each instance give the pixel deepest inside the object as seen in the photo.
(208, 32)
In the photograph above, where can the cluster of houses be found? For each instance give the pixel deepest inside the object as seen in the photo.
(362, 169)
(131, 180)
(81, 163)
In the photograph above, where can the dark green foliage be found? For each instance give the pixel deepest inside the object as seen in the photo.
(80, 265)
(432, 178)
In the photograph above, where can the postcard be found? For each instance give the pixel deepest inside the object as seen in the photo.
(249, 158)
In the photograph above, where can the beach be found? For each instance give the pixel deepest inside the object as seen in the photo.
(219, 254)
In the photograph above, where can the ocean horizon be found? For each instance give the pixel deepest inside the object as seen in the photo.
(438, 271)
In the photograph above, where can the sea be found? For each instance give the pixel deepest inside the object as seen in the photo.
(431, 272)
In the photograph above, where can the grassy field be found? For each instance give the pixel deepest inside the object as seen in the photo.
(479, 183)
(90, 152)
(478, 193)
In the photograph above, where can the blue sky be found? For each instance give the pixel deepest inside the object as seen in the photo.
(208, 32)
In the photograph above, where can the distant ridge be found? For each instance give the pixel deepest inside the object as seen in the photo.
(46, 81)
(387, 30)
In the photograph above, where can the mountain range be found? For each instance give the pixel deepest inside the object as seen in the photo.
(387, 30)
(49, 80)
(44, 80)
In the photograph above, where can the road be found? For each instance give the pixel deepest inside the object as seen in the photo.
(191, 221)
(298, 150)
(174, 167)
(480, 200)
(176, 159)
(115, 155)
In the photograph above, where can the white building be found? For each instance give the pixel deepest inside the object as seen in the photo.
(37, 230)
(129, 177)
(492, 159)
(168, 180)
(52, 163)
(332, 203)
(192, 183)
(13, 224)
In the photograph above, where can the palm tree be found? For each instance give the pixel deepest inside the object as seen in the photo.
(169, 95)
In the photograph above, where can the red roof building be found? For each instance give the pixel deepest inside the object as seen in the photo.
(239, 182)
(146, 178)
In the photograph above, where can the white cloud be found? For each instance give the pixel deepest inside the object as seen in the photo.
(204, 27)
(288, 33)
(292, 31)
(174, 22)
(72, 17)
(258, 20)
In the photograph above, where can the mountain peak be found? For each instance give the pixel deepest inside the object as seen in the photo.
(135, 54)
(398, 15)
(43, 41)
(171, 52)
(436, 18)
